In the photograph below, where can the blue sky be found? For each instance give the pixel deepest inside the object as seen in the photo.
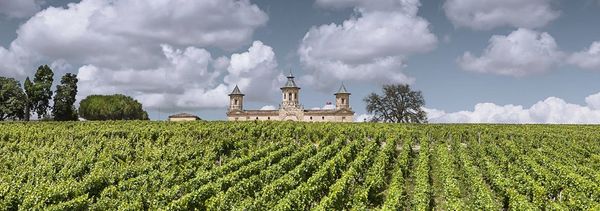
(508, 61)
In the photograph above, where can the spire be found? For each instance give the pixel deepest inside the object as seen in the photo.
(342, 90)
(236, 91)
(290, 82)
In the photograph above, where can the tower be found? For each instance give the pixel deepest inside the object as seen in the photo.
(342, 98)
(290, 93)
(236, 99)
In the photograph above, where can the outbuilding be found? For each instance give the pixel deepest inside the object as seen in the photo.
(183, 117)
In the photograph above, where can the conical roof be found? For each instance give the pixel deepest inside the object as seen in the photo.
(236, 91)
(290, 82)
(342, 90)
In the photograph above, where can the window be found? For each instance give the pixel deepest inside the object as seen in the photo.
(343, 101)
(290, 96)
(311, 118)
(235, 102)
(284, 96)
(323, 118)
(269, 118)
(256, 118)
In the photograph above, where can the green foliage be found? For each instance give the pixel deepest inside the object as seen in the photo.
(64, 99)
(39, 92)
(398, 104)
(111, 107)
(144, 165)
(12, 99)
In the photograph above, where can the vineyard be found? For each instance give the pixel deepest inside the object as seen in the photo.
(140, 165)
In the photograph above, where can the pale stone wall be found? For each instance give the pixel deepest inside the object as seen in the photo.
(293, 116)
(328, 118)
(179, 119)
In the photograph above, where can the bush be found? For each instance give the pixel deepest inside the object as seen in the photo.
(111, 107)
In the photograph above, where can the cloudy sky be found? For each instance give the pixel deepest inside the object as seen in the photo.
(510, 61)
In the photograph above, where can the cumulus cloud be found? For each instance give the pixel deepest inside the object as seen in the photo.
(189, 80)
(550, 110)
(489, 14)
(370, 46)
(19, 8)
(128, 33)
(588, 58)
(155, 51)
(522, 52)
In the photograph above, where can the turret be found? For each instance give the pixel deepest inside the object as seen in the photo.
(342, 98)
(236, 99)
(290, 93)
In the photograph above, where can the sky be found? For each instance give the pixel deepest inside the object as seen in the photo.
(475, 61)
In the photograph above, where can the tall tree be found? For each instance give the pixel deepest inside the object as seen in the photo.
(41, 90)
(30, 92)
(398, 104)
(64, 99)
(12, 99)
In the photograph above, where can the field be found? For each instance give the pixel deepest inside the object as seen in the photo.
(297, 166)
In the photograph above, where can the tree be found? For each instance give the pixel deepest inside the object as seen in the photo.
(64, 99)
(111, 107)
(39, 92)
(398, 104)
(29, 93)
(12, 99)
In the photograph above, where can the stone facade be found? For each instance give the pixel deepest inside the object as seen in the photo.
(183, 117)
(290, 108)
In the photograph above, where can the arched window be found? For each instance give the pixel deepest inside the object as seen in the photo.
(284, 97)
(343, 101)
(311, 118)
(235, 102)
(290, 96)
(323, 118)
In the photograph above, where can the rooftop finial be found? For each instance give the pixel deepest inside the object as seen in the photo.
(290, 75)
(236, 91)
(342, 89)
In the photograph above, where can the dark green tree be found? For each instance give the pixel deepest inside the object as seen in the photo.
(39, 95)
(12, 99)
(29, 93)
(64, 99)
(111, 107)
(398, 104)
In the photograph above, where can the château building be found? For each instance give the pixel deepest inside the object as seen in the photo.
(290, 108)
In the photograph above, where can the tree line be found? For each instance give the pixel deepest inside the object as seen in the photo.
(35, 96)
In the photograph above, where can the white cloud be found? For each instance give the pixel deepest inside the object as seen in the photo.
(489, 14)
(522, 52)
(10, 64)
(588, 58)
(255, 72)
(593, 101)
(550, 110)
(127, 33)
(369, 47)
(362, 118)
(19, 8)
(155, 51)
(268, 107)
(189, 80)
